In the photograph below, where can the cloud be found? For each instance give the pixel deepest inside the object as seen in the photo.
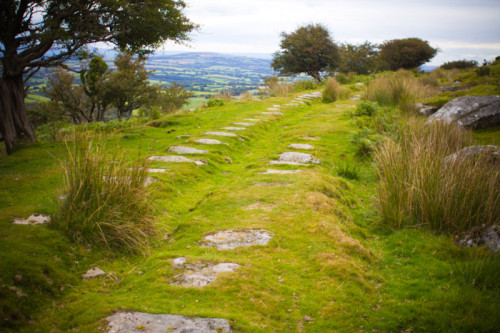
(243, 26)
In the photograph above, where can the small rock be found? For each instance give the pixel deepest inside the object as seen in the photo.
(93, 273)
(289, 310)
(425, 110)
(244, 124)
(307, 318)
(33, 220)
(482, 236)
(229, 160)
(18, 277)
(274, 113)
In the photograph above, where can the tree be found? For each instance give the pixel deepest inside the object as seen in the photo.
(309, 49)
(360, 59)
(36, 34)
(94, 86)
(405, 53)
(128, 87)
(172, 98)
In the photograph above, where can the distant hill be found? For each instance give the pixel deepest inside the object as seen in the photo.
(206, 71)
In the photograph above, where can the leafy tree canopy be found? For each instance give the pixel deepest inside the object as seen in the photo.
(405, 53)
(360, 59)
(36, 33)
(309, 49)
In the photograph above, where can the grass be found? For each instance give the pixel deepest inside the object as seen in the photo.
(400, 89)
(333, 91)
(329, 259)
(106, 202)
(420, 187)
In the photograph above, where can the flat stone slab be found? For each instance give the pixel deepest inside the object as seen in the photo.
(260, 205)
(220, 134)
(285, 163)
(244, 124)
(272, 184)
(230, 128)
(276, 106)
(279, 172)
(252, 119)
(316, 94)
(93, 273)
(172, 159)
(231, 239)
(311, 138)
(33, 219)
(186, 150)
(297, 158)
(209, 142)
(301, 146)
(273, 109)
(157, 170)
(130, 322)
(199, 274)
(273, 113)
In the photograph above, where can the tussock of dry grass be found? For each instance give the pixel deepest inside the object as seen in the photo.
(107, 203)
(400, 89)
(418, 187)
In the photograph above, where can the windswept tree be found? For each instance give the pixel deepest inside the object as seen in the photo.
(36, 34)
(405, 53)
(309, 49)
(360, 59)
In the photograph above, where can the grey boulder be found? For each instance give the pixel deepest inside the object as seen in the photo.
(470, 112)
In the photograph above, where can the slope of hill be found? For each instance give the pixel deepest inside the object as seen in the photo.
(209, 71)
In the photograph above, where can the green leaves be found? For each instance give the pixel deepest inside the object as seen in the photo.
(309, 49)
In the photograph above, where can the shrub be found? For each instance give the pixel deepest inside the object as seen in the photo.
(342, 78)
(419, 188)
(365, 141)
(331, 91)
(213, 102)
(107, 203)
(459, 64)
(400, 89)
(366, 108)
(301, 85)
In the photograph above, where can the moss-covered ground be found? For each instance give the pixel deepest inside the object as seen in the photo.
(330, 267)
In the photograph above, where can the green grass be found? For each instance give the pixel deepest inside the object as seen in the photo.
(330, 258)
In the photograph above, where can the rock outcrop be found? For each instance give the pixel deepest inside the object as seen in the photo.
(470, 112)
(489, 153)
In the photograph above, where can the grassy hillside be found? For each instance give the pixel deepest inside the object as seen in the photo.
(331, 266)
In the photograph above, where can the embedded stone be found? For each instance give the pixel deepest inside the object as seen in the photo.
(33, 219)
(230, 128)
(199, 274)
(93, 273)
(172, 159)
(244, 124)
(157, 170)
(252, 119)
(301, 146)
(297, 158)
(311, 138)
(279, 172)
(260, 205)
(186, 150)
(273, 109)
(209, 142)
(220, 134)
(231, 239)
(128, 322)
(273, 113)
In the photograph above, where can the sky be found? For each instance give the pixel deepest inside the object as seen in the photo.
(461, 29)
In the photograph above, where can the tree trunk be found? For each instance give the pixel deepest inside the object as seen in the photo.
(14, 120)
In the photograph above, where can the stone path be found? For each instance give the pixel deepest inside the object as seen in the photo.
(130, 322)
(202, 273)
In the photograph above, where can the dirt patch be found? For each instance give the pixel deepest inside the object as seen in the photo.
(130, 322)
(231, 239)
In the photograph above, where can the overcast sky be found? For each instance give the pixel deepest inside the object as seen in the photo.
(459, 28)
